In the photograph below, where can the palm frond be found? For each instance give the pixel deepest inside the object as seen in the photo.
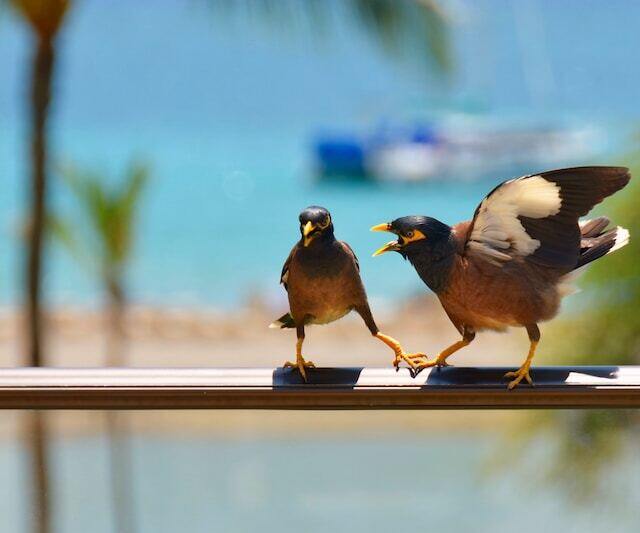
(401, 27)
(64, 232)
(124, 204)
(404, 26)
(107, 212)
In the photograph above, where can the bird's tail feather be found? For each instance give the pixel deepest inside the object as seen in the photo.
(594, 227)
(598, 242)
(285, 321)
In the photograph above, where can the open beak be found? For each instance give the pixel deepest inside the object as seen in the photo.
(393, 246)
(307, 233)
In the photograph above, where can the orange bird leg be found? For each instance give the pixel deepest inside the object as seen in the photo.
(414, 360)
(441, 360)
(410, 358)
(523, 371)
(300, 363)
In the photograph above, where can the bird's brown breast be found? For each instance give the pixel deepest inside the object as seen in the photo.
(487, 296)
(323, 288)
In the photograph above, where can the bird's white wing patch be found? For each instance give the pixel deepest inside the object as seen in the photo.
(622, 239)
(497, 232)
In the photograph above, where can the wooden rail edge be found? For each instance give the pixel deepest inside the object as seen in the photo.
(327, 388)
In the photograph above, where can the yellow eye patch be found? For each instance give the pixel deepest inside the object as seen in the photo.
(325, 223)
(412, 236)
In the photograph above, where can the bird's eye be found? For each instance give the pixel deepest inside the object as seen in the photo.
(409, 234)
(325, 222)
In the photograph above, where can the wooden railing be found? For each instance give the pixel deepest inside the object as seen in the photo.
(328, 388)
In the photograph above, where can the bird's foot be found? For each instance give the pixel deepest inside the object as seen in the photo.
(301, 365)
(519, 375)
(414, 360)
(439, 362)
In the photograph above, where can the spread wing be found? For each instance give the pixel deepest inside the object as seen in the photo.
(351, 253)
(536, 217)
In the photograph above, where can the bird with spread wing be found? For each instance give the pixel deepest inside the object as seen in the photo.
(322, 280)
(511, 265)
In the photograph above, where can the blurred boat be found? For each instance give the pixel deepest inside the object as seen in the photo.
(466, 151)
(340, 155)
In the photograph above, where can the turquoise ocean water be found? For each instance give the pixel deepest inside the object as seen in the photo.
(406, 482)
(225, 108)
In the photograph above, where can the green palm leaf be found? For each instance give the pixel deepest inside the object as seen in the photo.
(107, 213)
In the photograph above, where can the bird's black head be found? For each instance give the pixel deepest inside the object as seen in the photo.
(416, 235)
(427, 243)
(315, 225)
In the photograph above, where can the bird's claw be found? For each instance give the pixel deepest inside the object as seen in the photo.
(438, 362)
(300, 364)
(519, 375)
(414, 360)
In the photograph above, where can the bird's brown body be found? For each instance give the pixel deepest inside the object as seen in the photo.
(323, 287)
(474, 295)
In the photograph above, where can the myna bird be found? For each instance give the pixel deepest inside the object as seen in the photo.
(322, 279)
(513, 263)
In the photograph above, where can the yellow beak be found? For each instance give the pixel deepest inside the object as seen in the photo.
(382, 227)
(306, 231)
(392, 246)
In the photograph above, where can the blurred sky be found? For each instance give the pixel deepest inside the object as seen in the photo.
(224, 107)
